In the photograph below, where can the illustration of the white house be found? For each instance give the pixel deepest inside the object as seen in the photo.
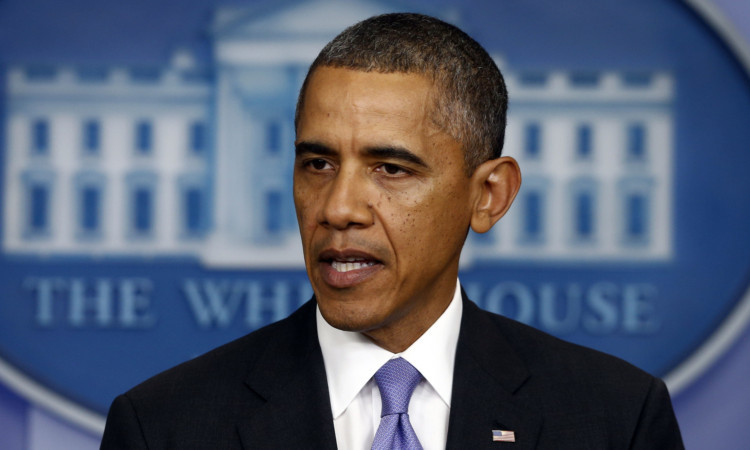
(187, 160)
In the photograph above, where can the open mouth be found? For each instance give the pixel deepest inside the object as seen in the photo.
(347, 268)
(349, 264)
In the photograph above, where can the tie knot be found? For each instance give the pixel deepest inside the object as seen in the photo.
(396, 380)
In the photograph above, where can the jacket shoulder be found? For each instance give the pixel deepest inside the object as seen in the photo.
(228, 364)
(198, 404)
(581, 390)
(548, 356)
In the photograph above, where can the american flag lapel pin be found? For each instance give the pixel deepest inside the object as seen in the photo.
(503, 436)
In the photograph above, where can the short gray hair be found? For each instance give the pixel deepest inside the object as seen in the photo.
(472, 100)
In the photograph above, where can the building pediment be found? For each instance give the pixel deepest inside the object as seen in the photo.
(295, 18)
(292, 31)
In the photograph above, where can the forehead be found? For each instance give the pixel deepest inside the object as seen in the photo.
(361, 99)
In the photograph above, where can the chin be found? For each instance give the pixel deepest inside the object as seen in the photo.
(348, 318)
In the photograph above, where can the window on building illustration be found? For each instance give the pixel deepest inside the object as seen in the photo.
(196, 76)
(273, 212)
(584, 79)
(145, 74)
(91, 137)
(584, 215)
(40, 137)
(533, 215)
(143, 210)
(637, 79)
(273, 137)
(36, 73)
(39, 208)
(144, 137)
(636, 142)
(194, 211)
(636, 217)
(90, 212)
(584, 145)
(198, 138)
(532, 140)
(92, 74)
(532, 79)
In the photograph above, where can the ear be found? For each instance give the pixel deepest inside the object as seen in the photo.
(495, 183)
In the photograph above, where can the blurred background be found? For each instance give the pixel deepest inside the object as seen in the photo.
(146, 213)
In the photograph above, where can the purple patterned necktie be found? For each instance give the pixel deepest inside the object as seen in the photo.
(396, 380)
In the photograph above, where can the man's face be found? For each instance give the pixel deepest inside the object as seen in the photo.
(383, 203)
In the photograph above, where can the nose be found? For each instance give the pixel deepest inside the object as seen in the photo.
(346, 203)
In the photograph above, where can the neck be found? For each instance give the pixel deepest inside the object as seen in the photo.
(400, 334)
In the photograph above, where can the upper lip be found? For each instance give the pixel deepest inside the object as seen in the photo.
(345, 254)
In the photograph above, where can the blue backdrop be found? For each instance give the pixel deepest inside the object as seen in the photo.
(147, 217)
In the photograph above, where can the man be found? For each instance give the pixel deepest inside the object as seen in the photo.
(400, 124)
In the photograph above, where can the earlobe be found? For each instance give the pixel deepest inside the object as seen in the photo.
(496, 183)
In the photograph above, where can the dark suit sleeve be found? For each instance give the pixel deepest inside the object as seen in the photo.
(123, 430)
(657, 426)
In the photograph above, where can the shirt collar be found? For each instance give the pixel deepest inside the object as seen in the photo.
(351, 359)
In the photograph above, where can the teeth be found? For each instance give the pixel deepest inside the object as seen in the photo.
(347, 265)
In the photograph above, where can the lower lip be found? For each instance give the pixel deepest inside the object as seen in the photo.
(337, 279)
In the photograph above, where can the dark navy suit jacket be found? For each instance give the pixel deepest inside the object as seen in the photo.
(269, 390)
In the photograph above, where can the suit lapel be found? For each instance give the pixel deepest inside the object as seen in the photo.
(487, 375)
(291, 378)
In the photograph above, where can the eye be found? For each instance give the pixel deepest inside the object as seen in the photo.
(392, 170)
(318, 164)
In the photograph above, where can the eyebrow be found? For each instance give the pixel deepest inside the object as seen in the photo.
(303, 148)
(385, 152)
(397, 153)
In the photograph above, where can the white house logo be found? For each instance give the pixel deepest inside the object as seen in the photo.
(147, 211)
(131, 161)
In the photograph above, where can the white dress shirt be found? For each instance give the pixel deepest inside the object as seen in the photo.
(351, 360)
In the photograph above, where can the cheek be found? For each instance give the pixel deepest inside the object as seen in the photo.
(442, 220)
(307, 222)
(302, 197)
(305, 215)
(419, 222)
